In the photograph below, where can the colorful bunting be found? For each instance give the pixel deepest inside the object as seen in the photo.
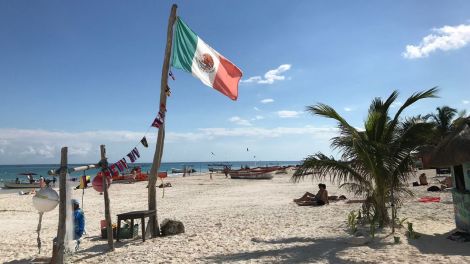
(114, 169)
(124, 162)
(144, 142)
(131, 156)
(120, 167)
(158, 122)
(135, 151)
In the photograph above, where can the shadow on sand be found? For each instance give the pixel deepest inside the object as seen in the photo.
(314, 251)
(89, 253)
(440, 244)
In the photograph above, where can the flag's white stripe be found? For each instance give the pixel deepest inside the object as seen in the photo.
(206, 77)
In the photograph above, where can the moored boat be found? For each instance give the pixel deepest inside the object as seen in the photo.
(21, 185)
(17, 184)
(253, 174)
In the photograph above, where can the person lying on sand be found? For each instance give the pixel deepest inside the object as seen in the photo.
(321, 198)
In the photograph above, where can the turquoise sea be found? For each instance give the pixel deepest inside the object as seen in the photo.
(10, 172)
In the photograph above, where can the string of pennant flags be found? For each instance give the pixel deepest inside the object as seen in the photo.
(121, 165)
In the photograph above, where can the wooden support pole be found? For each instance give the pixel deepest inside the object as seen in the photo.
(157, 158)
(58, 254)
(107, 211)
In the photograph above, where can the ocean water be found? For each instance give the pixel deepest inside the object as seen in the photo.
(10, 172)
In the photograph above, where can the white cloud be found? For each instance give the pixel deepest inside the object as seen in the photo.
(348, 109)
(270, 76)
(465, 102)
(240, 121)
(258, 117)
(43, 146)
(256, 108)
(445, 38)
(288, 114)
(267, 101)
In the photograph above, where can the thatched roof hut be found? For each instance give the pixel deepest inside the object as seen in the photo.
(455, 148)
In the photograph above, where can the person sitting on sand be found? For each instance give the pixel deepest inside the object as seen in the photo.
(321, 198)
(422, 179)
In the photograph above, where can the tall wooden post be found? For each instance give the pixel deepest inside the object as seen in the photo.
(58, 254)
(107, 211)
(157, 158)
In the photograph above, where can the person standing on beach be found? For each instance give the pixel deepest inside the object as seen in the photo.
(78, 220)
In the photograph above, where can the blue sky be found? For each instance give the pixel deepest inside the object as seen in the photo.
(85, 73)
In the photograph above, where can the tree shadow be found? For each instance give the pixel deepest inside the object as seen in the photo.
(100, 249)
(39, 260)
(440, 244)
(314, 251)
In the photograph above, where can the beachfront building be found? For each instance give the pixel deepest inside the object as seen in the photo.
(454, 152)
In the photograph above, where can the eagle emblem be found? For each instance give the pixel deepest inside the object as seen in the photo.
(206, 62)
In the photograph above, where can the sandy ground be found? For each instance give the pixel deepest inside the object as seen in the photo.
(239, 221)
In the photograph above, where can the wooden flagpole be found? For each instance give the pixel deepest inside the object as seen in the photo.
(157, 158)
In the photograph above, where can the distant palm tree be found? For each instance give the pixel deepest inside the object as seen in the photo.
(375, 162)
(442, 121)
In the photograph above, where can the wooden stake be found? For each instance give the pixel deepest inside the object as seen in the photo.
(58, 255)
(157, 158)
(107, 211)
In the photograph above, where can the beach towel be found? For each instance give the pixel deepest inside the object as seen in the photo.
(429, 199)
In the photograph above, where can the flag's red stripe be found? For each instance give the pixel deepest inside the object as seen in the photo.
(227, 78)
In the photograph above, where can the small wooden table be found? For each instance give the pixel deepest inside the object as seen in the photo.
(134, 215)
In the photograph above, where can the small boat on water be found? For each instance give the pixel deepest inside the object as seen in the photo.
(254, 174)
(188, 169)
(17, 184)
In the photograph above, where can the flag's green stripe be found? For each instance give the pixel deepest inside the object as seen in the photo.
(184, 46)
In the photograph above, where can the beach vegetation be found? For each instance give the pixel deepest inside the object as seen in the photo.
(374, 161)
(352, 221)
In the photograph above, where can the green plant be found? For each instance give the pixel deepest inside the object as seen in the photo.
(375, 162)
(400, 222)
(352, 221)
(411, 233)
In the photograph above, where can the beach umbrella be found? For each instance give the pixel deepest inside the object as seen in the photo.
(455, 148)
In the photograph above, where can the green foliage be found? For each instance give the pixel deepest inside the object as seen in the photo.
(400, 222)
(375, 162)
(411, 233)
(352, 221)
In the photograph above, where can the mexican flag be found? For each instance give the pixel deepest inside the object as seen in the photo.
(193, 55)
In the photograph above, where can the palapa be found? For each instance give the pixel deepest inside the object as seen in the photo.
(455, 148)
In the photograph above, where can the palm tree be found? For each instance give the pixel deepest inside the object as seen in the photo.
(375, 162)
(442, 121)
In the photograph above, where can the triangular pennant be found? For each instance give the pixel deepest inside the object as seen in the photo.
(144, 142)
(136, 152)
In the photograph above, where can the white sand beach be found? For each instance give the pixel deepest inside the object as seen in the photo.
(241, 221)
